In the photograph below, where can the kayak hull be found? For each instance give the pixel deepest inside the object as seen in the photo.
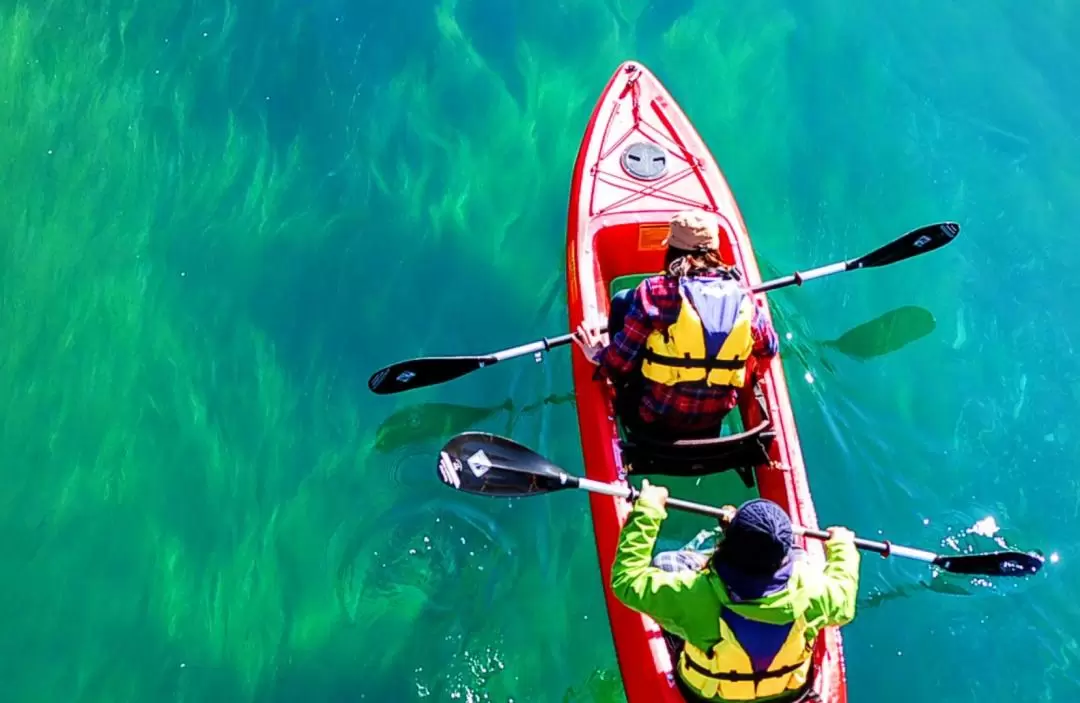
(641, 160)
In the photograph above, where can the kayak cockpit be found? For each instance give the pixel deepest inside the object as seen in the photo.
(741, 452)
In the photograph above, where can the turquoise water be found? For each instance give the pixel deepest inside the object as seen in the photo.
(220, 218)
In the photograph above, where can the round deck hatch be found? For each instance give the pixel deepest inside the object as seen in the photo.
(644, 161)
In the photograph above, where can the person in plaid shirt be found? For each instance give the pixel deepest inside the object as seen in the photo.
(640, 318)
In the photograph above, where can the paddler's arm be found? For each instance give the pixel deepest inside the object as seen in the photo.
(766, 341)
(839, 585)
(664, 596)
(620, 357)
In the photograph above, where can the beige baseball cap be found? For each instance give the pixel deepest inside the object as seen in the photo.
(694, 229)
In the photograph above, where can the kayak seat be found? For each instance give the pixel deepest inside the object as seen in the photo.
(741, 452)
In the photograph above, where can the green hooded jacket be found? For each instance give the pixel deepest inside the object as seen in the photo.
(688, 603)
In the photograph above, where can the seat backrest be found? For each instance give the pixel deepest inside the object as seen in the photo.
(701, 457)
(740, 449)
(623, 282)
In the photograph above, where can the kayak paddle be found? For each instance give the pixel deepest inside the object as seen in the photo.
(432, 370)
(487, 464)
(915, 242)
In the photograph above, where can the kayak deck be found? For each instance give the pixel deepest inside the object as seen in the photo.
(641, 161)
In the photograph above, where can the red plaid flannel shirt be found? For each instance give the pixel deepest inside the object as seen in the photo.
(685, 406)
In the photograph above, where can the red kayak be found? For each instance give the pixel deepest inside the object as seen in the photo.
(640, 162)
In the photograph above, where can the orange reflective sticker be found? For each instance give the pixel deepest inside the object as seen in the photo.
(652, 237)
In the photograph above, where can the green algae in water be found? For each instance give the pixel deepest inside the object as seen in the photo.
(180, 439)
(151, 432)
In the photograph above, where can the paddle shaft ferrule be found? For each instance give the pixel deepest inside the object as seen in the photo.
(911, 553)
(532, 347)
(884, 548)
(631, 493)
(608, 489)
(800, 277)
(545, 344)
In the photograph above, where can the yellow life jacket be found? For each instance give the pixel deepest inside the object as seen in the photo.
(710, 340)
(726, 670)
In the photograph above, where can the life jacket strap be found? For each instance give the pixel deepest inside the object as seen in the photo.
(688, 363)
(756, 677)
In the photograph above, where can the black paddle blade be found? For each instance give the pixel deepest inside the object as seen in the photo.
(486, 464)
(913, 243)
(426, 371)
(993, 563)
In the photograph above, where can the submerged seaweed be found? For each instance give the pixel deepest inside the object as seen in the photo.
(218, 217)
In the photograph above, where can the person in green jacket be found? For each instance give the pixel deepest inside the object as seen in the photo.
(743, 621)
